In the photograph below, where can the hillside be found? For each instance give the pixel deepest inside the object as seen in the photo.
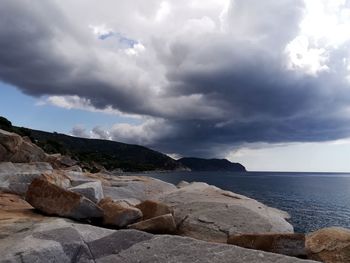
(93, 152)
(199, 164)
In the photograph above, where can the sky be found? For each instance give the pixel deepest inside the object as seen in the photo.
(264, 83)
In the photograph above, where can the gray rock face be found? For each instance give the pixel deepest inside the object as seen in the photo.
(209, 213)
(16, 177)
(53, 200)
(14, 148)
(173, 249)
(91, 190)
(60, 240)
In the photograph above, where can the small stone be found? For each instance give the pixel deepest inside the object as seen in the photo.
(164, 224)
(152, 209)
(119, 214)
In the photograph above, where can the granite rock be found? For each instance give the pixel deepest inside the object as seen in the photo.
(54, 200)
(119, 214)
(163, 224)
(329, 245)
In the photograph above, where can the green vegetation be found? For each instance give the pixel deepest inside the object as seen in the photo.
(91, 152)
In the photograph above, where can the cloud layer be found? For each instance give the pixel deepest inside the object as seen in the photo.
(205, 76)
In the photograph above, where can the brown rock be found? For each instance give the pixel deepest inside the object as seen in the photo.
(286, 244)
(164, 224)
(329, 245)
(152, 209)
(119, 214)
(54, 200)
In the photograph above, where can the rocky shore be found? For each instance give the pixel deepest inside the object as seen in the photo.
(52, 211)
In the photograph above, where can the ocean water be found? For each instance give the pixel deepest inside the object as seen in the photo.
(314, 200)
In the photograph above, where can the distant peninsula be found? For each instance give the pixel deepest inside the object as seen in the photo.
(94, 155)
(200, 164)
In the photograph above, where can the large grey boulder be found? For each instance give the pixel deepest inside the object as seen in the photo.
(54, 200)
(209, 213)
(16, 177)
(91, 190)
(59, 240)
(14, 148)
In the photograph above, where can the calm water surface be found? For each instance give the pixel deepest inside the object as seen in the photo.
(314, 200)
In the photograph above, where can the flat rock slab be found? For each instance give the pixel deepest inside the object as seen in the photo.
(209, 213)
(53, 200)
(60, 240)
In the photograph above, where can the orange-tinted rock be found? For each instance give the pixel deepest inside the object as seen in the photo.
(286, 244)
(164, 224)
(54, 200)
(13, 202)
(329, 245)
(119, 214)
(152, 209)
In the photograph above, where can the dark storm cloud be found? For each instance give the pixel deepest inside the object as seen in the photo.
(206, 81)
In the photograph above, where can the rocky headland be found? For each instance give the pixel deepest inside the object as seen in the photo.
(53, 211)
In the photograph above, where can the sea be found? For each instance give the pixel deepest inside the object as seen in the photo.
(314, 200)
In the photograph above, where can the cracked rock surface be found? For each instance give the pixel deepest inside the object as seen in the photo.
(208, 213)
(44, 239)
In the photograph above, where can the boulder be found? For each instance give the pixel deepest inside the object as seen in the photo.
(16, 177)
(164, 224)
(16, 149)
(53, 200)
(135, 187)
(61, 240)
(286, 244)
(119, 214)
(209, 213)
(152, 209)
(329, 245)
(167, 248)
(91, 190)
